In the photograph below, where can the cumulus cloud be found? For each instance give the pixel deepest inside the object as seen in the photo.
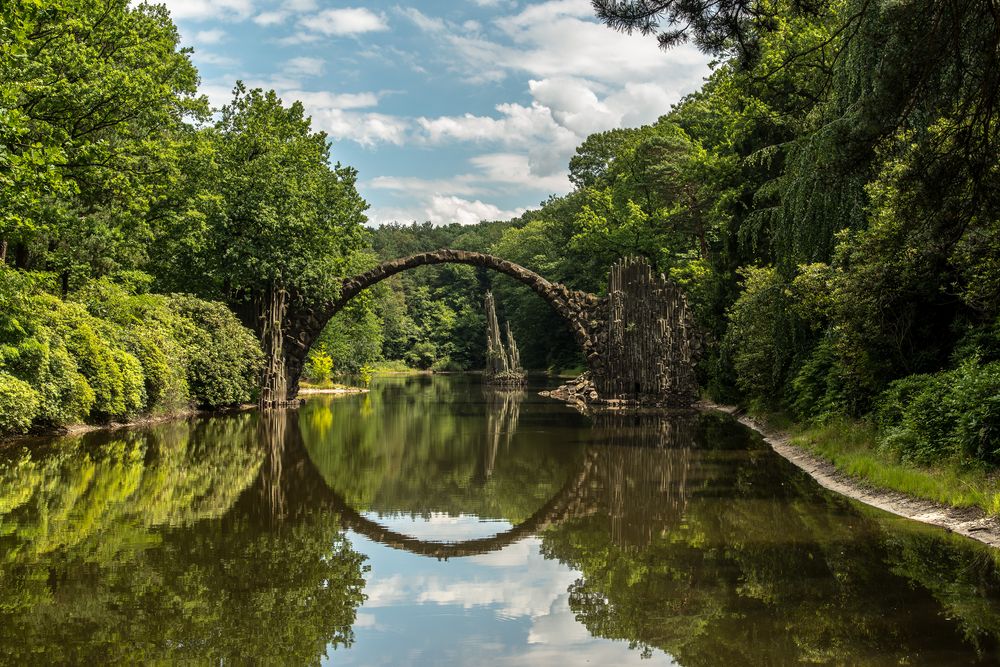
(366, 129)
(213, 36)
(303, 66)
(270, 18)
(344, 21)
(466, 212)
(443, 209)
(584, 78)
(207, 10)
(516, 169)
(462, 198)
(422, 21)
(576, 76)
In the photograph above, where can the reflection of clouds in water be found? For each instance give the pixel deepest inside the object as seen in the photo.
(558, 627)
(515, 554)
(439, 527)
(519, 592)
(508, 607)
(386, 591)
(526, 587)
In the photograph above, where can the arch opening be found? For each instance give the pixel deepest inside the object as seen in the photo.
(573, 306)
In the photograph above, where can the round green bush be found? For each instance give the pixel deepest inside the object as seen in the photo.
(18, 405)
(224, 359)
(951, 414)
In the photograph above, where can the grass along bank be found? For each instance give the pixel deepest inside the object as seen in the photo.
(853, 448)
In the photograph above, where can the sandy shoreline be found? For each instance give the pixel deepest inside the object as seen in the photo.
(335, 390)
(968, 521)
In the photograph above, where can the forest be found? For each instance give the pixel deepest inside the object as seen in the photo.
(829, 200)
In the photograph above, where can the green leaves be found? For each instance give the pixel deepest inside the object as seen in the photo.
(287, 217)
(92, 97)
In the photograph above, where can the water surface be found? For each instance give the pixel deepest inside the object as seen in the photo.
(433, 521)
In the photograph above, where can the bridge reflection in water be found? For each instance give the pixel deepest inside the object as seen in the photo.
(634, 470)
(685, 533)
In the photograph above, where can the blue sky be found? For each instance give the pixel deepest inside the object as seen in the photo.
(451, 111)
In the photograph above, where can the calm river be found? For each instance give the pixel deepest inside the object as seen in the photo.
(435, 522)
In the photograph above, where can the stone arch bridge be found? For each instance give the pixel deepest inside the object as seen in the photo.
(639, 341)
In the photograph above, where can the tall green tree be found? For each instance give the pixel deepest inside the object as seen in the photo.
(286, 227)
(93, 99)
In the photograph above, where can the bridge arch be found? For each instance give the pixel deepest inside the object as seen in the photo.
(573, 305)
(640, 341)
(569, 502)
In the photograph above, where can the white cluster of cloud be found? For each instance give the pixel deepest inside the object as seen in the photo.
(309, 16)
(580, 76)
(584, 78)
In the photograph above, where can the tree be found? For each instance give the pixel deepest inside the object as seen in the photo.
(287, 228)
(93, 96)
(715, 27)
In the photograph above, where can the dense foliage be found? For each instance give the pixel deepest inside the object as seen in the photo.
(828, 200)
(106, 354)
(115, 184)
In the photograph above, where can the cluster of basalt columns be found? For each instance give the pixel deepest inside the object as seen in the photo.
(645, 340)
(639, 341)
(503, 360)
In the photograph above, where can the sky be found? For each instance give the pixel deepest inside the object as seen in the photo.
(452, 111)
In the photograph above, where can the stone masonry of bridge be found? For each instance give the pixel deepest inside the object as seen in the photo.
(639, 341)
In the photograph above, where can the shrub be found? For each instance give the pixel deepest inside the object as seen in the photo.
(319, 366)
(18, 405)
(65, 394)
(951, 414)
(144, 326)
(422, 355)
(32, 351)
(224, 359)
(446, 365)
(817, 392)
(114, 375)
(976, 399)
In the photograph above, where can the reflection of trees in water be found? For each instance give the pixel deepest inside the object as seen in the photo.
(90, 575)
(418, 455)
(176, 473)
(750, 562)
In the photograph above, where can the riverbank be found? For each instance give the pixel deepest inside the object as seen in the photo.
(833, 473)
(148, 420)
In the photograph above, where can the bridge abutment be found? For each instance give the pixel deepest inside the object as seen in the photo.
(644, 340)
